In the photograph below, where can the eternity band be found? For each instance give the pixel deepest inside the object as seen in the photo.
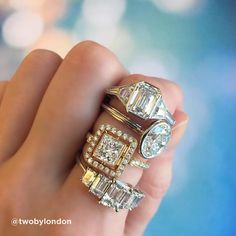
(114, 194)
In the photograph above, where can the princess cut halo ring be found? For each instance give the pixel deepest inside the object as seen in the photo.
(143, 100)
(110, 150)
(153, 140)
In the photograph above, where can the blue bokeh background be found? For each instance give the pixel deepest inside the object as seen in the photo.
(192, 42)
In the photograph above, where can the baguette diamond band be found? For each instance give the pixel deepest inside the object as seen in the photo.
(114, 194)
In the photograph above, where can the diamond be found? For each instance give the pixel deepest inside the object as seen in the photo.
(106, 170)
(155, 139)
(95, 163)
(134, 199)
(87, 155)
(100, 185)
(114, 195)
(131, 139)
(109, 149)
(143, 99)
(102, 127)
(90, 139)
(89, 177)
(108, 127)
(101, 166)
(124, 93)
(113, 130)
(133, 145)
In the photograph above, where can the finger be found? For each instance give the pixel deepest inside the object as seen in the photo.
(70, 107)
(3, 85)
(155, 182)
(131, 174)
(22, 98)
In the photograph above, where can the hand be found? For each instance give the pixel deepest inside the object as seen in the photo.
(46, 110)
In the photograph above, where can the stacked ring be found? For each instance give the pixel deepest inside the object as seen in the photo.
(109, 150)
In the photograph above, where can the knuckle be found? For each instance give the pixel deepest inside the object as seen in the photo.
(43, 53)
(91, 53)
(42, 56)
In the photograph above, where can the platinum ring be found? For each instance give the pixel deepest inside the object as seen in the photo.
(143, 100)
(153, 140)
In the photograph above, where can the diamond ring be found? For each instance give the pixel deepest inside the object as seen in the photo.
(110, 150)
(153, 140)
(143, 100)
(114, 194)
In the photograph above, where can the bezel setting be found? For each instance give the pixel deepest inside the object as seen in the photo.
(155, 139)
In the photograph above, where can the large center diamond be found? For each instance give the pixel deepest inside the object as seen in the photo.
(109, 149)
(143, 99)
(155, 139)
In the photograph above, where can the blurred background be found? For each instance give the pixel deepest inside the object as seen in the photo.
(192, 42)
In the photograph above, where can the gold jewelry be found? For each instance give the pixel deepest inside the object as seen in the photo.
(110, 150)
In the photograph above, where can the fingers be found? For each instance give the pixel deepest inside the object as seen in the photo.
(70, 107)
(3, 85)
(22, 98)
(131, 175)
(155, 182)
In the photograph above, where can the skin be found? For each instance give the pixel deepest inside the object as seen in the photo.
(46, 109)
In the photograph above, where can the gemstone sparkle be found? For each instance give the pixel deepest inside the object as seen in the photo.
(155, 139)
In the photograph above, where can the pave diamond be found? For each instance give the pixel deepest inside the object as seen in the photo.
(155, 139)
(109, 149)
(143, 99)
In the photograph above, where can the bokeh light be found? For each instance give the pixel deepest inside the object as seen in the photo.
(21, 29)
(177, 6)
(103, 13)
(55, 40)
